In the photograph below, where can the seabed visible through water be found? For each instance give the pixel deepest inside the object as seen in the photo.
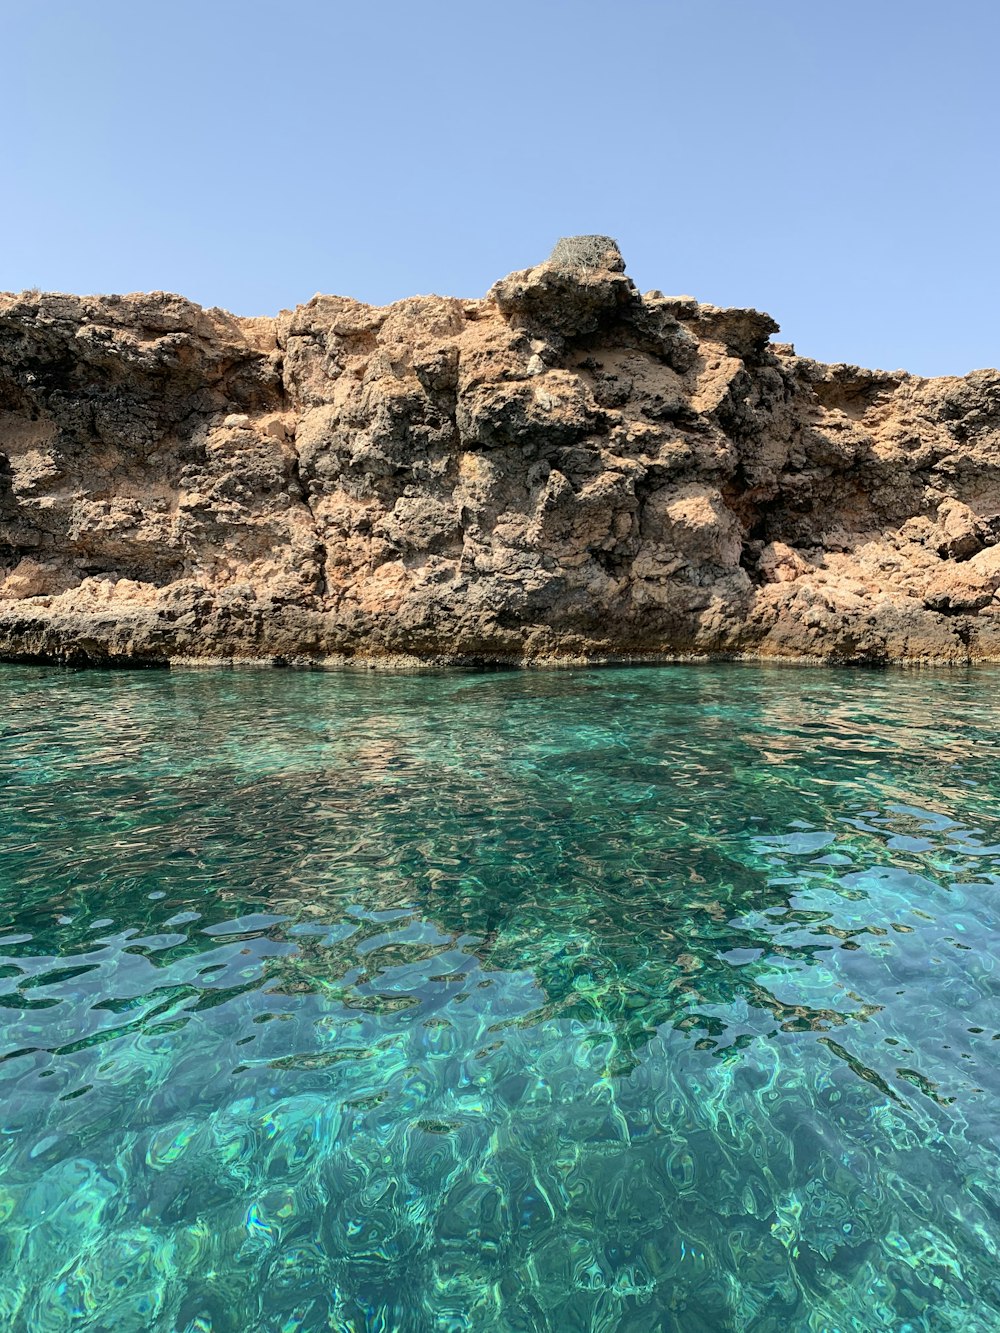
(631, 999)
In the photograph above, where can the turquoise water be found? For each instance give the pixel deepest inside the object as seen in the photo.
(636, 1000)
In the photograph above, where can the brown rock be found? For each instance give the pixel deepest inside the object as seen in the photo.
(778, 563)
(563, 469)
(961, 532)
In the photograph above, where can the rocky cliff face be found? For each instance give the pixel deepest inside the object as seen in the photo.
(563, 469)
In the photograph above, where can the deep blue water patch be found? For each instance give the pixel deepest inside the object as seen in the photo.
(630, 1000)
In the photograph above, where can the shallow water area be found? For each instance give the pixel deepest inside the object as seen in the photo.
(626, 999)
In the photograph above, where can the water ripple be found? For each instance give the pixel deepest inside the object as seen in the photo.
(598, 1000)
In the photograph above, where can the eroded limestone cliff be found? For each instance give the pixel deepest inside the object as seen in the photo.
(563, 469)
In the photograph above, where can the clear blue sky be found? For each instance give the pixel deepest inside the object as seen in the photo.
(833, 162)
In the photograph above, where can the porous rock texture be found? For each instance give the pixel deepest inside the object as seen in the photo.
(563, 470)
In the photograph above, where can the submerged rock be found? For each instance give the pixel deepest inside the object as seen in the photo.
(563, 469)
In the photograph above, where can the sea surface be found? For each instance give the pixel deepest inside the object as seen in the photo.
(651, 999)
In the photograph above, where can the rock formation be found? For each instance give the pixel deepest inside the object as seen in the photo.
(562, 470)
